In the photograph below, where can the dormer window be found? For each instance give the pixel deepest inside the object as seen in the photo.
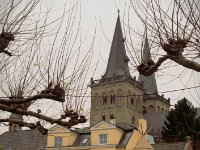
(58, 141)
(103, 139)
(85, 141)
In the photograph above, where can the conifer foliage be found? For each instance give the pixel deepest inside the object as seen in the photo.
(181, 122)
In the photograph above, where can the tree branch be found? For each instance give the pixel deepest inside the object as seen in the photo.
(186, 63)
(37, 115)
(147, 70)
(37, 126)
(31, 99)
(74, 117)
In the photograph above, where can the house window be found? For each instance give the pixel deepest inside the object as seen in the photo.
(58, 141)
(103, 139)
(85, 141)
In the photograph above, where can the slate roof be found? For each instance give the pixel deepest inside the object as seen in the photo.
(23, 140)
(118, 60)
(85, 130)
(83, 138)
(126, 127)
(169, 146)
(125, 138)
(156, 122)
(149, 82)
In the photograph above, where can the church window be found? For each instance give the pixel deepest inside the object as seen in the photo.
(103, 138)
(112, 119)
(158, 109)
(132, 100)
(119, 94)
(104, 100)
(144, 110)
(104, 118)
(133, 120)
(137, 104)
(112, 99)
(58, 141)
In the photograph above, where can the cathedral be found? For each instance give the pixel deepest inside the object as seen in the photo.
(118, 97)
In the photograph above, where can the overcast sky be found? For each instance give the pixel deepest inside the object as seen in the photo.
(102, 15)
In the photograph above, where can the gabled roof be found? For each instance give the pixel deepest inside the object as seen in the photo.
(118, 60)
(126, 127)
(169, 146)
(125, 138)
(23, 140)
(104, 125)
(58, 128)
(149, 82)
(85, 130)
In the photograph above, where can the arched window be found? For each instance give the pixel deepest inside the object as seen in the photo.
(158, 109)
(103, 117)
(119, 94)
(133, 120)
(144, 111)
(132, 100)
(112, 98)
(151, 110)
(112, 119)
(128, 97)
(104, 97)
(95, 99)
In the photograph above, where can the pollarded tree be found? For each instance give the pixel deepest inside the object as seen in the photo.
(174, 29)
(181, 122)
(41, 59)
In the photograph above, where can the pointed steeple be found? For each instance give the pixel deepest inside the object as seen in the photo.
(118, 60)
(149, 82)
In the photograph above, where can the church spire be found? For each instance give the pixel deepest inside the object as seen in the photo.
(149, 82)
(118, 60)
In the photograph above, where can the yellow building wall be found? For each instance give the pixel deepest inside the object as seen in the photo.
(114, 136)
(134, 139)
(68, 137)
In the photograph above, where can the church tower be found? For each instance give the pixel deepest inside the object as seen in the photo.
(152, 102)
(116, 97)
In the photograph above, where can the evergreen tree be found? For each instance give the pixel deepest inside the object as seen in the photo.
(181, 122)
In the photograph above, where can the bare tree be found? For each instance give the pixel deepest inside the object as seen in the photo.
(173, 29)
(42, 60)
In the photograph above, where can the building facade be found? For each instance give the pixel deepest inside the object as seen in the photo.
(102, 136)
